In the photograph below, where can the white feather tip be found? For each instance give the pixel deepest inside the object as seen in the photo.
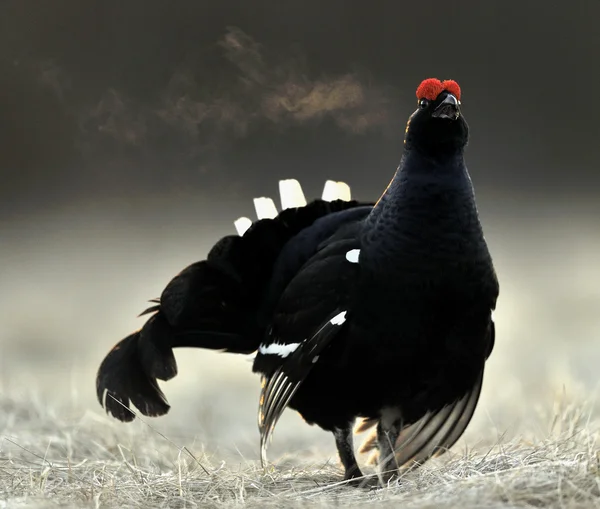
(242, 224)
(336, 191)
(291, 194)
(265, 208)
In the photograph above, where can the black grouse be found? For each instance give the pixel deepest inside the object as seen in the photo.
(375, 311)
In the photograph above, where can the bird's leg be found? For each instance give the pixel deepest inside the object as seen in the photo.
(345, 446)
(388, 430)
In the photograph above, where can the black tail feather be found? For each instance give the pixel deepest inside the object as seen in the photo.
(155, 347)
(210, 304)
(213, 340)
(206, 296)
(147, 311)
(121, 380)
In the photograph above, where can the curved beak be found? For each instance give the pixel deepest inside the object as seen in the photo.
(448, 108)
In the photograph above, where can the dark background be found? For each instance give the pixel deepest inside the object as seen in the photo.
(133, 133)
(134, 98)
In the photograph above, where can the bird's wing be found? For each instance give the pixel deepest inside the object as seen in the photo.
(310, 313)
(279, 388)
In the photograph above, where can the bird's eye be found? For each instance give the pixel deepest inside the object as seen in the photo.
(423, 103)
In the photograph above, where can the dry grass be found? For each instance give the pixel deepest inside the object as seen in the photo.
(49, 460)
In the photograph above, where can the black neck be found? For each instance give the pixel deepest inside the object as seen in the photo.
(428, 210)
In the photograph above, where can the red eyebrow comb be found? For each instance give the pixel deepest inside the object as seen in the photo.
(432, 87)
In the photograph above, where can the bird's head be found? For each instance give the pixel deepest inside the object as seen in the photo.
(437, 126)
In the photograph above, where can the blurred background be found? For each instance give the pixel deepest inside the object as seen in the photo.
(133, 134)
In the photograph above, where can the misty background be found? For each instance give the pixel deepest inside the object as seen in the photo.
(133, 134)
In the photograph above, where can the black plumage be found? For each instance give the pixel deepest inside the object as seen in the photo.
(221, 303)
(377, 312)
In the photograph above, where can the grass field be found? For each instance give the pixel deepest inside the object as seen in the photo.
(86, 460)
(74, 288)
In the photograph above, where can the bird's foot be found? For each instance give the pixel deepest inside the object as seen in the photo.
(389, 477)
(356, 479)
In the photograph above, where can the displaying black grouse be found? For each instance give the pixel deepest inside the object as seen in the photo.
(378, 312)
